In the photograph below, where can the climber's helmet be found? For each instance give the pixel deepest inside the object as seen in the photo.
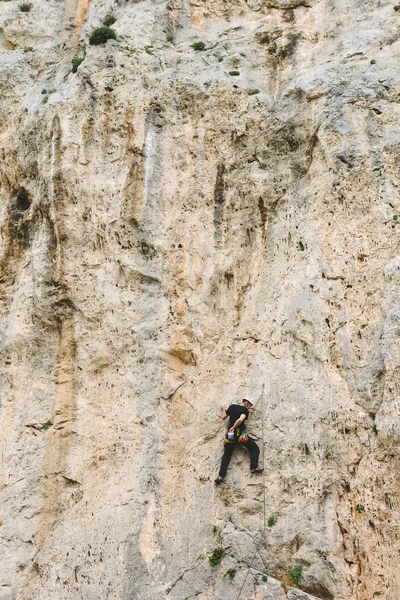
(248, 399)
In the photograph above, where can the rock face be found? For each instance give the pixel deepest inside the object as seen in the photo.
(180, 227)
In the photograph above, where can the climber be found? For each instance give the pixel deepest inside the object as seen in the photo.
(237, 434)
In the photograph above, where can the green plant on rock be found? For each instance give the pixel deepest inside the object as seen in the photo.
(149, 50)
(284, 586)
(374, 429)
(44, 91)
(271, 521)
(359, 508)
(75, 63)
(170, 37)
(295, 574)
(395, 217)
(264, 39)
(25, 7)
(216, 556)
(253, 92)
(264, 576)
(109, 20)
(215, 529)
(46, 426)
(231, 573)
(364, 325)
(373, 62)
(101, 35)
(377, 593)
(28, 49)
(234, 73)
(397, 7)
(198, 46)
(45, 99)
(220, 58)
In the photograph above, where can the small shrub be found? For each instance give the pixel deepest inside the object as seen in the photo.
(46, 425)
(101, 35)
(374, 429)
(25, 7)
(264, 39)
(44, 99)
(377, 593)
(216, 556)
(253, 92)
(75, 63)
(395, 217)
(295, 574)
(364, 325)
(170, 37)
(397, 7)
(149, 50)
(28, 49)
(44, 91)
(359, 508)
(109, 20)
(373, 62)
(230, 574)
(283, 585)
(220, 58)
(234, 73)
(198, 46)
(215, 529)
(264, 577)
(271, 521)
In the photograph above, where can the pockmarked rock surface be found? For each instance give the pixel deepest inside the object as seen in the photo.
(180, 227)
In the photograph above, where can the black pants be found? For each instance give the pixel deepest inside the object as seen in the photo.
(228, 451)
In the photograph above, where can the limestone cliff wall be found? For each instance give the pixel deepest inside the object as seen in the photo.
(170, 241)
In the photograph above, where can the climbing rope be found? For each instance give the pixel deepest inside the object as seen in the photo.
(258, 546)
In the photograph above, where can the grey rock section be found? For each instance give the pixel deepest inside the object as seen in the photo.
(180, 227)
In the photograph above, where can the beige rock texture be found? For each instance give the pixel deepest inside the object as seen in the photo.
(173, 236)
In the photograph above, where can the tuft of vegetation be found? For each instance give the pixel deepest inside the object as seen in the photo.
(395, 217)
(397, 8)
(284, 586)
(295, 574)
(109, 20)
(231, 573)
(359, 508)
(44, 91)
(25, 7)
(46, 426)
(374, 429)
(264, 39)
(149, 50)
(377, 593)
(215, 529)
(234, 73)
(75, 63)
(28, 49)
(220, 58)
(198, 46)
(101, 35)
(216, 556)
(253, 92)
(170, 37)
(373, 62)
(271, 521)
(264, 576)
(44, 99)
(364, 325)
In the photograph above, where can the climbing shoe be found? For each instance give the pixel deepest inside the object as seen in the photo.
(219, 480)
(256, 471)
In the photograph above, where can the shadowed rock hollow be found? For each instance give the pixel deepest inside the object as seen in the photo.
(180, 227)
